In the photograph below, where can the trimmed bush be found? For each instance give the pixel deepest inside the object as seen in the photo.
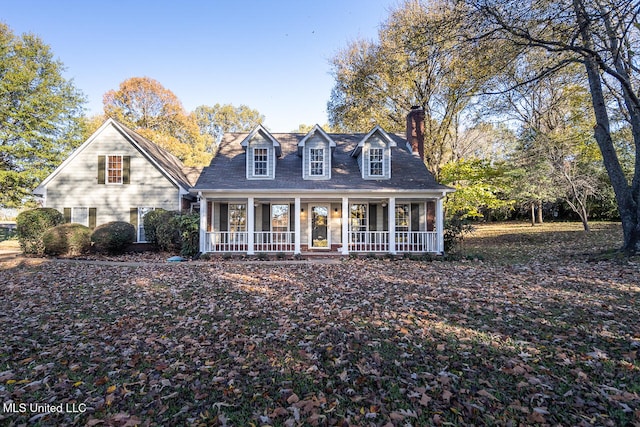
(67, 239)
(31, 226)
(173, 232)
(190, 234)
(113, 237)
(151, 220)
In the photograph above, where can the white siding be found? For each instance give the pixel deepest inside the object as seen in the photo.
(77, 184)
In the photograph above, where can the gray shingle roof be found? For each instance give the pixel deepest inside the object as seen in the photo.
(183, 175)
(227, 170)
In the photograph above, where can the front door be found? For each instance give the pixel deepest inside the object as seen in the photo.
(320, 227)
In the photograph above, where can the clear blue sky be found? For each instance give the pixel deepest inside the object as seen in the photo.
(270, 55)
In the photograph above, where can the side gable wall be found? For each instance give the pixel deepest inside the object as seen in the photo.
(77, 184)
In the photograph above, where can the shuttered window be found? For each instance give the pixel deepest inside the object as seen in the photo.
(81, 215)
(114, 169)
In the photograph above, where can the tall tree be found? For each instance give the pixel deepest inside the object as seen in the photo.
(217, 120)
(155, 112)
(413, 63)
(40, 113)
(604, 36)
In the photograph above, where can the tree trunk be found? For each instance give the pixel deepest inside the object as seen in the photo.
(540, 212)
(585, 221)
(533, 214)
(627, 206)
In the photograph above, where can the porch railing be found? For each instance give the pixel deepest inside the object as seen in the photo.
(416, 241)
(226, 241)
(266, 241)
(406, 241)
(358, 241)
(368, 241)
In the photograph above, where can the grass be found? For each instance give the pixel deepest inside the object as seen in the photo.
(516, 242)
(532, 326)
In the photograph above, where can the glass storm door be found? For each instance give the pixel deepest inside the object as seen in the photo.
(320, 227)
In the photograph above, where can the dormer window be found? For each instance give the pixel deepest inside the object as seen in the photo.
(374, 154)
(375, 162)
(316, 159)
(316, 150)
(260, 161)
(262, 151)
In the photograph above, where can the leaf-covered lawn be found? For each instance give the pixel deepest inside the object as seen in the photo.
(549, 337)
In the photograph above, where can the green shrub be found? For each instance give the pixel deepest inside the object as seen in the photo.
(173, 232)
(189, 226)
(31, 226)
(455, 229)
(151, 220)
(168, 236)
(67, 239)
(113, 237)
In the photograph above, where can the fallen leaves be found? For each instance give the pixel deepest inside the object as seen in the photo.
(362, 342)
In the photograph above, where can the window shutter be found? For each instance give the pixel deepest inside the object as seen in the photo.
(224, 217)
(385, 218)
(67, 214)
(209, 216)
(292, 218)
(133, 217)
(431, 216)
(373, 217)
(92, 217)
(415, 217)
(126, 162)
(101, 169)
(266, 217)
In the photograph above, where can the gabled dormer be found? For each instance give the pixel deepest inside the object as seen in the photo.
(262, 150)
(374, 154)
(316, 149)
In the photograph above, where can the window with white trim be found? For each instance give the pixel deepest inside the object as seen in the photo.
(237, 218)
(114, 169)
(80, 215)
(316, 161)
(375, 162)
(142, 211)
(260, 162)
(358, 217)
(403, 217)
(280, 223)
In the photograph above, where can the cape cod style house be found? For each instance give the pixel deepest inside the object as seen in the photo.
(342, 193)
(117, 175)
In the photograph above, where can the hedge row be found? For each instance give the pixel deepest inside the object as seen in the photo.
(43, 231)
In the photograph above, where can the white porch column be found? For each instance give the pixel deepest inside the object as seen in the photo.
(203, 223)
(250, 225)
(296, 224)
(440, 224)
(345, 226)
(392, 225)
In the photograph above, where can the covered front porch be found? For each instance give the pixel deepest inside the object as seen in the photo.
(321, 225)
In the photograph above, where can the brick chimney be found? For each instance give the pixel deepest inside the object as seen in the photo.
(415, 130)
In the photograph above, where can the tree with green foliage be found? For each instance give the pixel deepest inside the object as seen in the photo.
(219, 119)
(40, 115)
(481, 188)
(602, 36)
(413, 63)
